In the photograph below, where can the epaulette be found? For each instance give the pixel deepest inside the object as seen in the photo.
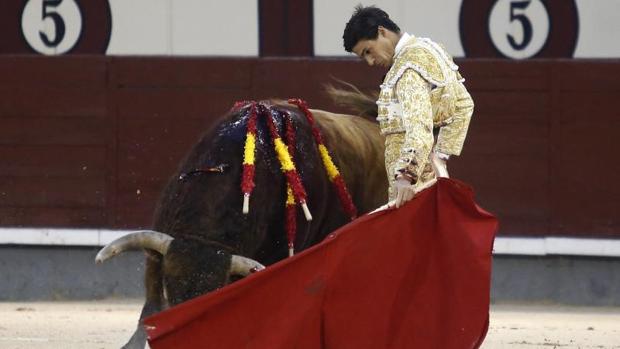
(425, 57)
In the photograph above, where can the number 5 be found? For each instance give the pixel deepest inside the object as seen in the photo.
(525, 24)
(59, 24)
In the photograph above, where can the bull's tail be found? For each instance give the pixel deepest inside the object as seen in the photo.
(349, 96)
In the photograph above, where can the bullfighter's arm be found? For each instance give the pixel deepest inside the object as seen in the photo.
(452, 136)
(413, 92)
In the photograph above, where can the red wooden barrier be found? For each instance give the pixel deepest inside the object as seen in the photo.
(89, 141)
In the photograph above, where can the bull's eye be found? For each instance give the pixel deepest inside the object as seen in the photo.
(215, 169)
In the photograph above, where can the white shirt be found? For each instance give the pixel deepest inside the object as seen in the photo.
(401, 43)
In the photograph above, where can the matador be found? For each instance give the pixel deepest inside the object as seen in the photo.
(422, 92)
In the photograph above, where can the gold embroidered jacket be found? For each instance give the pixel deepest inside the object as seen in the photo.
(422, 90)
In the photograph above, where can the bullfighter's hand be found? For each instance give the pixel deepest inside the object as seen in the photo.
(439, 165)
(404, 191)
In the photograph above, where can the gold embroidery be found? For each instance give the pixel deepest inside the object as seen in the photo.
(417, 120)
(422, 90)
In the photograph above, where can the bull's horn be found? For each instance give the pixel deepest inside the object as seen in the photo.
(144, 239)
(244, 266)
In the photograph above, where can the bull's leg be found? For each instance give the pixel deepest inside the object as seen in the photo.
(138, 340)
(154, 298)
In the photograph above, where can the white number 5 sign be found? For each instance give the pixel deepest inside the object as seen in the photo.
(51, 27)
(519, 28)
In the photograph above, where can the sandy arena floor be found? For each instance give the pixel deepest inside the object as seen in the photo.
(108, 324)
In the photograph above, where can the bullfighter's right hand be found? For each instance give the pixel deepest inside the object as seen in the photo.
(439, 165)
(404, 191)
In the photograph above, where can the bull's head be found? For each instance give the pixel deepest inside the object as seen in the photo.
(192, 268)
(200, 212)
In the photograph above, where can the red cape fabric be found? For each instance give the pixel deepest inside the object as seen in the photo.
(414, 277)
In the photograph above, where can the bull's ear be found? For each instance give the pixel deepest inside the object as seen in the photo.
(221, 168)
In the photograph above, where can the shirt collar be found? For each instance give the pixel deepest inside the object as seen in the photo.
(401, 43)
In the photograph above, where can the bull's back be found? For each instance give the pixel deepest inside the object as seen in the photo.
(358, 149)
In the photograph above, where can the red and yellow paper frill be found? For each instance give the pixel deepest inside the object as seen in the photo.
(286, 163)
(295, 191)
(249, 158)
(290, 208)
(332, 171)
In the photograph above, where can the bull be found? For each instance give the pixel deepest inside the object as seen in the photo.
(201, 240)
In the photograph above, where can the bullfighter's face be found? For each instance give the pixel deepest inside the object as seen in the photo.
(379, 51)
